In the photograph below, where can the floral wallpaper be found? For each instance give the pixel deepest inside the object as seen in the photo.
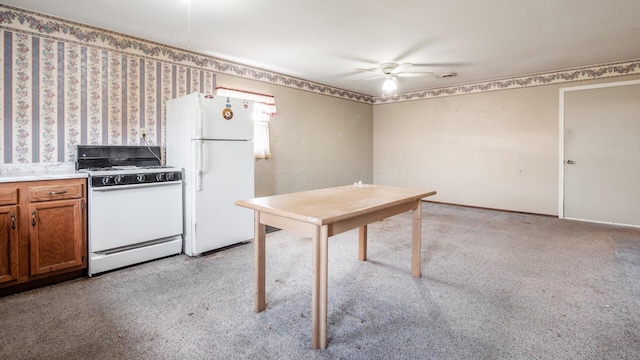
(56, 94)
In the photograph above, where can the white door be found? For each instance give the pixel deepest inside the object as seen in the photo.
(602, 154)
(227, 176)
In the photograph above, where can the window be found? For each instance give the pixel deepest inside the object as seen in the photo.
(264, 107)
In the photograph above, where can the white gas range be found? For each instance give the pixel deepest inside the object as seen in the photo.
(135, 210)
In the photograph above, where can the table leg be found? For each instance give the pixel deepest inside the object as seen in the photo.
(416, 241)
(319, 290)
(259, 240)
(362, 243)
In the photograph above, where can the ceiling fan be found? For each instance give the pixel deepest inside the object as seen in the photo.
(391, 71)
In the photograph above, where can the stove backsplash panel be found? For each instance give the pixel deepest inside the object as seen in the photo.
(100, 156)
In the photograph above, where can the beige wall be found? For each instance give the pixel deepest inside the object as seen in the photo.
(495, 149)
(316, 140)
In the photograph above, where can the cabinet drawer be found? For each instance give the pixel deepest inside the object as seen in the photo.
(56, 192)
(8, 196)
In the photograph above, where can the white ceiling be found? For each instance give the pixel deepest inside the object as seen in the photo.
(325, 40)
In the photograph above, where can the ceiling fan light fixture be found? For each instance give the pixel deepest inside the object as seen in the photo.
(389, 85)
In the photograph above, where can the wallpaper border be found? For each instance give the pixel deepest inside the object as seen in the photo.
(624, 68)
(25, 21)
(32, 23)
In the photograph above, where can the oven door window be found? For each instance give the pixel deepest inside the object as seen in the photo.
(128, 215)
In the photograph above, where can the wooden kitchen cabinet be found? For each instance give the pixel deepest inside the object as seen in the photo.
(55, 236)
(8, 234)
(8, 244)
(42, 231)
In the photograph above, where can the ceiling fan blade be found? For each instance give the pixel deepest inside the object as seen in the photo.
(414, 74)
(401, 67)
(449, 64)
(371, 78)
(376, 70)
(414, 49)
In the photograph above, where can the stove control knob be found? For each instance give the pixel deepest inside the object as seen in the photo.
(140, 177)
(170, 176)
(159, 176)
(118, 179)
(105, 180)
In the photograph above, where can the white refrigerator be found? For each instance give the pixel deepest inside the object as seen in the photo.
(211, 138)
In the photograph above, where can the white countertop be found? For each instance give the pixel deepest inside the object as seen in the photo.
(39, 171)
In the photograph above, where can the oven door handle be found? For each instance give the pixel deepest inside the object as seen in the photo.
(135, 186)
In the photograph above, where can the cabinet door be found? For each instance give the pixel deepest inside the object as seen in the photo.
(8, 243)
(56, 235)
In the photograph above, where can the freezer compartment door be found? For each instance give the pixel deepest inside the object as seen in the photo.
(227, 176)
(223, 118)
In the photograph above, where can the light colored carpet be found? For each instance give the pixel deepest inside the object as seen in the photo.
(495, 285)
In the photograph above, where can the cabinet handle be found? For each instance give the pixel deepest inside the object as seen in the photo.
(13, 221)
(50, 193)
(33, 218)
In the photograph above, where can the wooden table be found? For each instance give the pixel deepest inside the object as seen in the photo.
(321, 213)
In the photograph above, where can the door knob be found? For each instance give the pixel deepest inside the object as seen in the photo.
(570, 162)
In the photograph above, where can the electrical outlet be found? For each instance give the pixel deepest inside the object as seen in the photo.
(143, 132)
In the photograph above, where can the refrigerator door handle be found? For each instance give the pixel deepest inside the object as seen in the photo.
(199, 165)
(199, 121)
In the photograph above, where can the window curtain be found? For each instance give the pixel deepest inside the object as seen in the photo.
(264, 107)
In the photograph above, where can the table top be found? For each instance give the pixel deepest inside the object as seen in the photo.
(326, 206)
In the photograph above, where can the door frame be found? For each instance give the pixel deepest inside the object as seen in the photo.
(561, 141)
